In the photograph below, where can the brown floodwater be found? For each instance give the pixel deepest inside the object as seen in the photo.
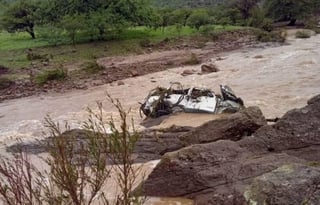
(276, 79)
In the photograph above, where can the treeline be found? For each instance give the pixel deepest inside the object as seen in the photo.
(100, 19)
(186, 3)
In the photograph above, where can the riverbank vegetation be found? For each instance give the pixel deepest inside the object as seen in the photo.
(65, 32)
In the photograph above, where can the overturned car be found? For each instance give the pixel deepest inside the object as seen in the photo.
(163, 101)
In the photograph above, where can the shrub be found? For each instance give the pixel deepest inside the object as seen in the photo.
(274, 36)
(5, 83)
(317, 30)
(259, 20)
(50, 75)
(34, 56)
(145, 43)
(192, 60)
(78, 168)
(302, 34)
(92, 67)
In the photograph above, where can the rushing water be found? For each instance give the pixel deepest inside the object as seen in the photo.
(276, 79)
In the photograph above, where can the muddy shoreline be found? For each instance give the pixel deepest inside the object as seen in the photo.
(156, 58)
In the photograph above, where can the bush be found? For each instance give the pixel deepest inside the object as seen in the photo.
(317, 30)
(210, 32)
(78, 168)
(145, 43)
(50, 75)
(5, 83)
(259, 20)
(35, 56)
(264, 36)
(303, 34)
(92, 67)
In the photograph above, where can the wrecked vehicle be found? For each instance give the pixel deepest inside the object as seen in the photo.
(163, 101)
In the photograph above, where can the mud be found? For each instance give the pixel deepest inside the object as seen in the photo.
(282, 78)
(159, 57)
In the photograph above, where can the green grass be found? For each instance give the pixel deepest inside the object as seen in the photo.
(13, 47)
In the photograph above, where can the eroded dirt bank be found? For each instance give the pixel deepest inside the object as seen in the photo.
(275, 79)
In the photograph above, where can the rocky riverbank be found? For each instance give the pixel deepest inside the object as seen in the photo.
(227, 165)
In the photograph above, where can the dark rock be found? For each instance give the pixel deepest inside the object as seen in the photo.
(156, 142)
(219, 172)
(209, 68)
(293, 184)
(120, 82)
(134, 73)
(296, 133)
(187, 72)
(209, 173)
(231, 127)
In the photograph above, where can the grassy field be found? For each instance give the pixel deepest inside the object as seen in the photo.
(13, 46)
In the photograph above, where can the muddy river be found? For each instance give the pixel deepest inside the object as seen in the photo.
(276, 79)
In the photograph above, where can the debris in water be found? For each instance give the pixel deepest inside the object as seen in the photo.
(164, 101)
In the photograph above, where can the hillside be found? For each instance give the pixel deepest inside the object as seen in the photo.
(186, 3)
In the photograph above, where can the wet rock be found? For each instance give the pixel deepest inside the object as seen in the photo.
(154, 143)
(209, 68)
(134, 73)
(296, 133)
(120, 82)
(232, 127)
(219, 172)
(258, 56)
(210, 173)
(187, 72)
(293, 184)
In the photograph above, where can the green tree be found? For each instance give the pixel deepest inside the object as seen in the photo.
(198, 19)
(72, 25)
(165, 16)
(289, 10)
(180, 16)
(20, 17)
(245, 7)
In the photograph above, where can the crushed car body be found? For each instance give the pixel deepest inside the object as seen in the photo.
(164, 101)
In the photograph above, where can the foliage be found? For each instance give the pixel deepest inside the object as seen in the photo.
(5, 83)
(79, 166)
(224, 15)
(20, 17)
(245, 7)
(289, 10)
(17, 182)
(198, 19)
(180, 16)
(92, 67)
(50, 75)
(302, 34)
(258, 20)
(72, 25)
(186, 3)
(274, 36)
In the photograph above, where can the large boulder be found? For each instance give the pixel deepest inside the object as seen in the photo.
(213, 173)
(231, 127)
(219, 172)
(293, 184)
(296, 133)
(156, 142)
